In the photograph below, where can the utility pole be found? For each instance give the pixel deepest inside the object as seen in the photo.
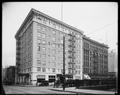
(63, 63)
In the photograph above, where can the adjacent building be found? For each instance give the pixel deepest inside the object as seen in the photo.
(39, 49)
(8, 75)
(3, 74)
(95, 58)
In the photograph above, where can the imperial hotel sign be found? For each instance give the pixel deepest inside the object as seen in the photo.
(39, 49)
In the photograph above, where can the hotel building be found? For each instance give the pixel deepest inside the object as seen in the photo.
(39, 49)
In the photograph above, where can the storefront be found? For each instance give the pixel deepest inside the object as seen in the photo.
(40, 78)
(51, 78)
(24, 78)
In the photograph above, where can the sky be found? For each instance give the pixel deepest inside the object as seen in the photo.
(98, 20)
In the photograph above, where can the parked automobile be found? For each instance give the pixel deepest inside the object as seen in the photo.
(43, 83)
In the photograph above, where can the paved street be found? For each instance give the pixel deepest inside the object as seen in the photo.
(87, 91)
(32, 90)
(51, 90)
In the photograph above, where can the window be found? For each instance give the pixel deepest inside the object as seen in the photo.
(54, 32)
(38, 68)
(44, 20)
(30, 69)
(61, 41)
(78, 36)
(43, 56)
(39, 41)
(78, 41)
(53, 39)
(58, 45)
(48, 43)
(38, 55)
(38, 48)
(38, 62)
(53, 51)
(44, 62)
(43, 29)
(43, 42)
(54, 25)
(69, 71)
(39, 18)
(61, 35)
(39, 35)
(43, 69)
(53, 69)
(79, 71)
(48, 69)
(53, 58)
(43, 35)
(61, 70)
(43, 49)
(53, 45)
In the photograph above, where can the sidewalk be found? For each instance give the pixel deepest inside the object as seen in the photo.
(84, 91)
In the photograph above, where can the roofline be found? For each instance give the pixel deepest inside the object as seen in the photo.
(49, 17)
(57, 21)
(87, 38)
(25, 20)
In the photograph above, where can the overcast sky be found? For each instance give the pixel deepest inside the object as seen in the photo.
(98, 20)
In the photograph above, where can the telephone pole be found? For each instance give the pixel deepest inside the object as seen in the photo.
(63, 63)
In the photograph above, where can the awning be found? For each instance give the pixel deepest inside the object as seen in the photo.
(41, 76)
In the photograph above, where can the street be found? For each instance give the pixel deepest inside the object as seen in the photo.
(51, 90)
(32, 90)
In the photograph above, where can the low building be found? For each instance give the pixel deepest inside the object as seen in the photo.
(9, 77)
(3, 74)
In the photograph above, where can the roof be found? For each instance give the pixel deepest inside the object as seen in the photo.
(93, 41)
(49, 17)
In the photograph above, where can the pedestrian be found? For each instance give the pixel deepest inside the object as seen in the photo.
(54, 84)
(36, 83)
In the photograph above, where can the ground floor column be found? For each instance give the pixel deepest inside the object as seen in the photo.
(29, 80)
(33, 78)
(20, 79)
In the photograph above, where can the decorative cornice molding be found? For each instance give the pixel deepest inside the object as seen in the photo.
(47, 19)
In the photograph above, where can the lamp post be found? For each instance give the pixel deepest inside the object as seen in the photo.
(116, 75)
(63, 63)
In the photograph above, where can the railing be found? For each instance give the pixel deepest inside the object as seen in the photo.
(17, 58)
(18, 48)
(18, 43)
(71, 45)
(71, 56)
(71, 40)
(71, 62)
(71, 51)
(17, 53)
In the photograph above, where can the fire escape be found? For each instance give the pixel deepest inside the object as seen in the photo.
(71, 56)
